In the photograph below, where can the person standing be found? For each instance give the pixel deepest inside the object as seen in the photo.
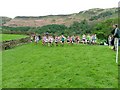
(116, 36)
(109, 41)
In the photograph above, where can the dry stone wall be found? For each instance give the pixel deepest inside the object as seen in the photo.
(13, 43)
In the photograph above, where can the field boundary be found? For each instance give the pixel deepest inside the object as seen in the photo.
(13, 43)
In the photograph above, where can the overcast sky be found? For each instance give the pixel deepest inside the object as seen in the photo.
(12, 8)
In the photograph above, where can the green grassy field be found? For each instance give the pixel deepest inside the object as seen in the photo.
(77, 66)
(7, 37)
(0, 70)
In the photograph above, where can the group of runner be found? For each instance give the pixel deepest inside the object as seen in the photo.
(51, 40)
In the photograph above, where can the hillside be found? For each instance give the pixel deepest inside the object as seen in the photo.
(90, 15)
(4, 20)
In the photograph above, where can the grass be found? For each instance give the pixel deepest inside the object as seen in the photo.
(77, 66)
(0, 70)
(7, 37)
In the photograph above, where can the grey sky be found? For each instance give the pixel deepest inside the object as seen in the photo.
(12, 8)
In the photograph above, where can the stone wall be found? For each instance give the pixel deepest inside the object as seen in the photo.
(12, 43)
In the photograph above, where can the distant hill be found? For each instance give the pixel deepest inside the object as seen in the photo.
(91, 15)
(4, 20)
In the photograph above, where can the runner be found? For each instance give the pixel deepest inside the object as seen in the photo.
(36, 39)
(94, 38)
(44, 40)
(51, 40)
(91, 42)
(31, 37)
(63, 39)
(56, 40)
(68, 39)
(77, 39)
(73, 39)
(84, 38)
(88, 38)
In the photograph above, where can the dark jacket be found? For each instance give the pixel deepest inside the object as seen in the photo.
(113, 31)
